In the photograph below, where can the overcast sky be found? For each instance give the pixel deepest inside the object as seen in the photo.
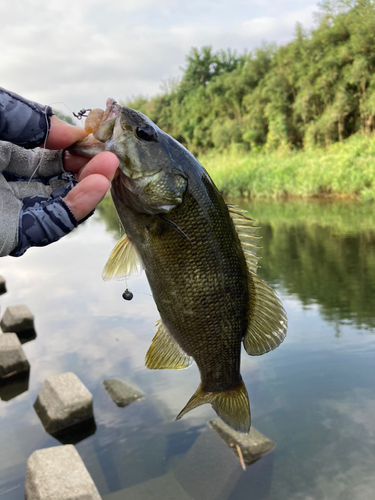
(82, 51)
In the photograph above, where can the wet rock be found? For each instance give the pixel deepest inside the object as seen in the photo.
(122, 393)
(17, 319)
(76, 433)
(252, 446)
(58, 474)
(3, 287)
(12, 387)
(63, 402)
(12, 358)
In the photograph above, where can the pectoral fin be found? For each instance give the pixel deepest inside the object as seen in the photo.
(165, 353)
(123, 261)
(247, 235)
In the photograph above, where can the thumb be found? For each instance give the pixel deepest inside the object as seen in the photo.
(62, 134)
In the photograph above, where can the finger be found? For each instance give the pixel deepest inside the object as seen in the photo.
(105, 164)
(74, 163)
(84, 197)
(62, 134)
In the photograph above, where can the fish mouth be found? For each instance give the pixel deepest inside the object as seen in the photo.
(112, 109)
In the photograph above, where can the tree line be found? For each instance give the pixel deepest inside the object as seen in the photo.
(315, 90)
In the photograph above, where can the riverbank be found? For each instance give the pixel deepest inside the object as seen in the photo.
(342, 170)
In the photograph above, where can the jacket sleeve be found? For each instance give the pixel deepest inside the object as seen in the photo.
(23, 122)
(32, 211)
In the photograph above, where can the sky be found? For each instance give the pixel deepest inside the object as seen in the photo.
(74, 54)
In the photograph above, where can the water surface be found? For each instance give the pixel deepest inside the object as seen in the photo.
(313, 396)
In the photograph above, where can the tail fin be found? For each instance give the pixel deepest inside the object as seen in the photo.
(232, 406)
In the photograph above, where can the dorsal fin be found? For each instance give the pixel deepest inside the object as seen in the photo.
(123, 261)
(247, 234)
(267, 318)
(164, 353)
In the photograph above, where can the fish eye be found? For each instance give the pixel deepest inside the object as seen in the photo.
(146, 133)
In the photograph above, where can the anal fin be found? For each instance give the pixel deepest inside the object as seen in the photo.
(164, 353)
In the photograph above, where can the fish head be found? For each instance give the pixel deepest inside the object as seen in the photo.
(151, 178)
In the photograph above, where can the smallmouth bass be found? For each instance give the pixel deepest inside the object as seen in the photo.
(200, 258)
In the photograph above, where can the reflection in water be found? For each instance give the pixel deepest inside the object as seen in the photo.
(323, 253)
(313, 396)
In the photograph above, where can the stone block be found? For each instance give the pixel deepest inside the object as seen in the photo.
(17, 319)
(3, 287)
(252, 446)
(14, 386)
(12, 358)
(122, 393)
(58, 474)
(62, 402)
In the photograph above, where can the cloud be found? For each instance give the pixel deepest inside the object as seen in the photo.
(83, 52)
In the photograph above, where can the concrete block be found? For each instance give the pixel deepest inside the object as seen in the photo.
(252, 446)
(76, 433)
(3, 287)
(122, 393)
(12, 387)
(17, 319)
(12, 357)
(58, 474)
(62, 402)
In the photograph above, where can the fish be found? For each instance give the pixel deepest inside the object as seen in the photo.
(200, 257)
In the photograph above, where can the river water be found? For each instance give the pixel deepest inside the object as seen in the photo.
(313, 396)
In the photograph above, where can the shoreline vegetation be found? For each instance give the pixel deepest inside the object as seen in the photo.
(342, 170)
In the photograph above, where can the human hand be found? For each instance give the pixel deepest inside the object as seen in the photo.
(46, 193)
(94, 176)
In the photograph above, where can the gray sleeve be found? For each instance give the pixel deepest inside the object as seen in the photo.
(10, 208)
(30, 162)
(32, 212)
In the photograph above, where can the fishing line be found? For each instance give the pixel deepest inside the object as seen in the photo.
(128, 294)
(45, 140)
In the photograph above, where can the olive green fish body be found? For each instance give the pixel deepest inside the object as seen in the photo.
(198, 276)
(199, 256)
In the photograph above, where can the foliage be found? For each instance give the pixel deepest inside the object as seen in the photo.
(317, 89)
(342, 169)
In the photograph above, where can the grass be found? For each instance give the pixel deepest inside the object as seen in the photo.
(345, 169)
